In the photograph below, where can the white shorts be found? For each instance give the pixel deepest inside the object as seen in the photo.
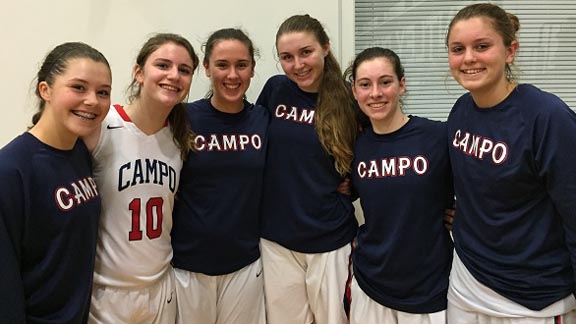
(304, 288)
(155, 304)
(456, 315)
(364, 309)
(236, 297)
(467, 293)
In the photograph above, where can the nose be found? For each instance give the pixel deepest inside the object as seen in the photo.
(91, 98)
(233, 73)
(298, 62)
(469, 56)
(173, 73)
(375, 92)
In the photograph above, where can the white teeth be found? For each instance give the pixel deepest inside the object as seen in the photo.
(472, 71)
(376, 105)
(169, 87)
(302, 74)
(232, 86)
(84, 114)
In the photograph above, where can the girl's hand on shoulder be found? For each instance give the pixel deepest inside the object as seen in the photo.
(344, 187)
(449, 215)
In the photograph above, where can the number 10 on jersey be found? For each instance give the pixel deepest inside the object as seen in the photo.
(153, 219)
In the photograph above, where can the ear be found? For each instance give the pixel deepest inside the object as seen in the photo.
(44, 91)
(206, 69)
(511, 51)
(253, 67)
(138, 74)
(326, 49)
(402, 86)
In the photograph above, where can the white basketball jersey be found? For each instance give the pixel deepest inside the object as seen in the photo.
(137, 175)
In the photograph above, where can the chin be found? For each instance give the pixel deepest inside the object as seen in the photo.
(464, 84)
(468, 83)
(379, 118)
(82, 131)
(306, 86)
(472, 86)
(171, 103)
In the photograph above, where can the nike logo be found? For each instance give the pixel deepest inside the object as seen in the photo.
(114, 127)
(258, 273)
(169, 299)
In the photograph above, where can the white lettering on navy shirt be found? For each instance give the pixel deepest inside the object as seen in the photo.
(479, 147)
(230, 142)
(295, 114)
(76, 194)
(392, 167)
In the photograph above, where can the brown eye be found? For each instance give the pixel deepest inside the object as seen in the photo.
(482, 47)
(104, 93)
(456, 49)
(185, 71)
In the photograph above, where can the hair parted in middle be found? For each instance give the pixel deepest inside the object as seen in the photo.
(177, 119)
(227, 34)
(335, 119)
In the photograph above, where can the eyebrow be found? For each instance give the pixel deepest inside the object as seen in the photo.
(170, 61)
(299, 49)
(380, 77)
(226, 61)
(482, 39)
(86, 82)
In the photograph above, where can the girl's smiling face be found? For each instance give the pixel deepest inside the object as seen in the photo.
(302, 59)
(478, 57)
(79, 99)
(378, 90)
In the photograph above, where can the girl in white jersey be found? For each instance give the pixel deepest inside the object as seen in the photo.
(137, 156)
(512, 155)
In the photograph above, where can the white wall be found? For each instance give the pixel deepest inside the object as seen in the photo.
(29, 29)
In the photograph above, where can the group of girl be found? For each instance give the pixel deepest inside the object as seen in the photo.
(245, 201)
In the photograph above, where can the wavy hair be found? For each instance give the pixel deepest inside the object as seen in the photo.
(335, 118)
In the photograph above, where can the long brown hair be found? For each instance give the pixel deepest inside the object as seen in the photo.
(335, 119)
(178, 120)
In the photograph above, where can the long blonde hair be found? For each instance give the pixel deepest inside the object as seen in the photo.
(335, 119)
